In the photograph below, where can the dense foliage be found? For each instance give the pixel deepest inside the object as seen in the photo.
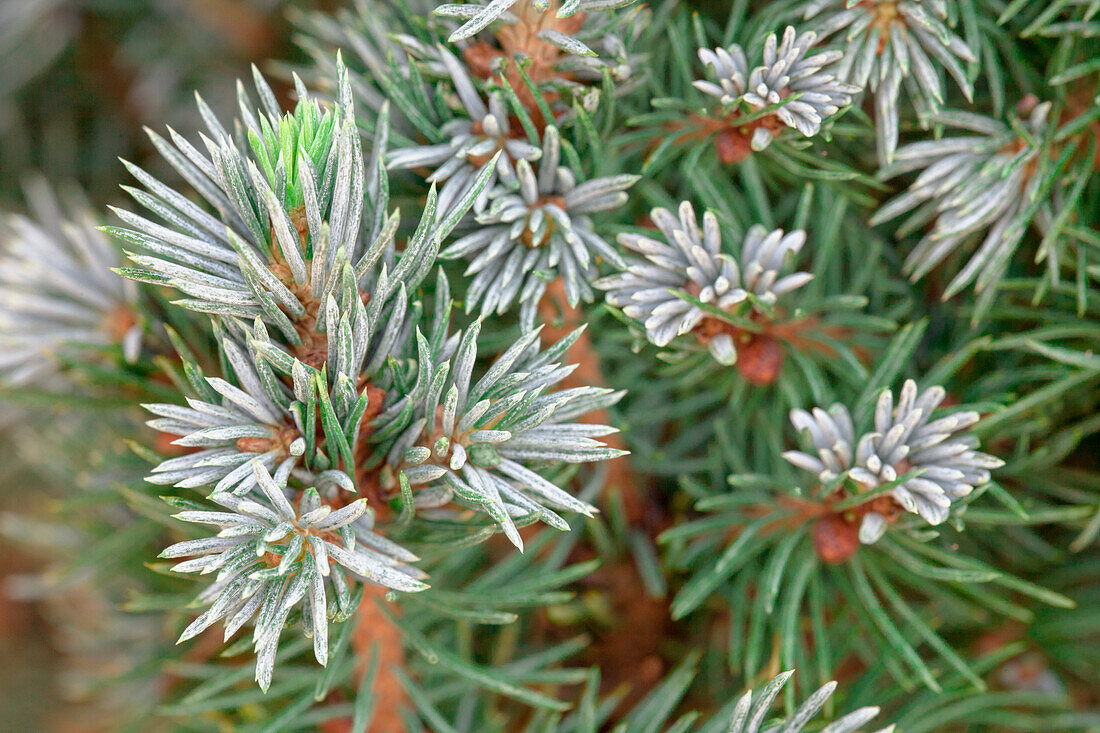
(539, 365)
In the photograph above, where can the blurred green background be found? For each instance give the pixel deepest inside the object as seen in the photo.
(82, 77)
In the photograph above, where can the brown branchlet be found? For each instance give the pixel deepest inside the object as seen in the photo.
(521, 39)
(836, 534)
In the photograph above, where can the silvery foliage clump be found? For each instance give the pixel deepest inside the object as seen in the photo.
(301, 234)
(806, 87)
(690, 262)
(470, 141)
(476, 17)
(750, 714)
(313, 319)
(227, 428)
(480, 442)
(58, 296)
(888, 43)
(289, 194)
(969, 185)
(270, 557)
(934, 462)
(537, 231)
(289, 250)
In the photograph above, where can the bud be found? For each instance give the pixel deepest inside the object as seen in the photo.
(835, 539)
(760, 360)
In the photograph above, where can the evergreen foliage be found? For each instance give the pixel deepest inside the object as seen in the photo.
(570, 366)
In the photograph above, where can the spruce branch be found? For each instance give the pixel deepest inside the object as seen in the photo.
(687, 284)
(269, 555)
(799, 91)
(888, 44)
(471, 141)
(365, 400)
(537, 231)
(996, 183)
(926, 463)
(322, 395)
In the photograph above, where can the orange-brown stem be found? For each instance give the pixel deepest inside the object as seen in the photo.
(313, 351)
(563, 319)
(375, 634)
(835, 534)
(732, 139)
